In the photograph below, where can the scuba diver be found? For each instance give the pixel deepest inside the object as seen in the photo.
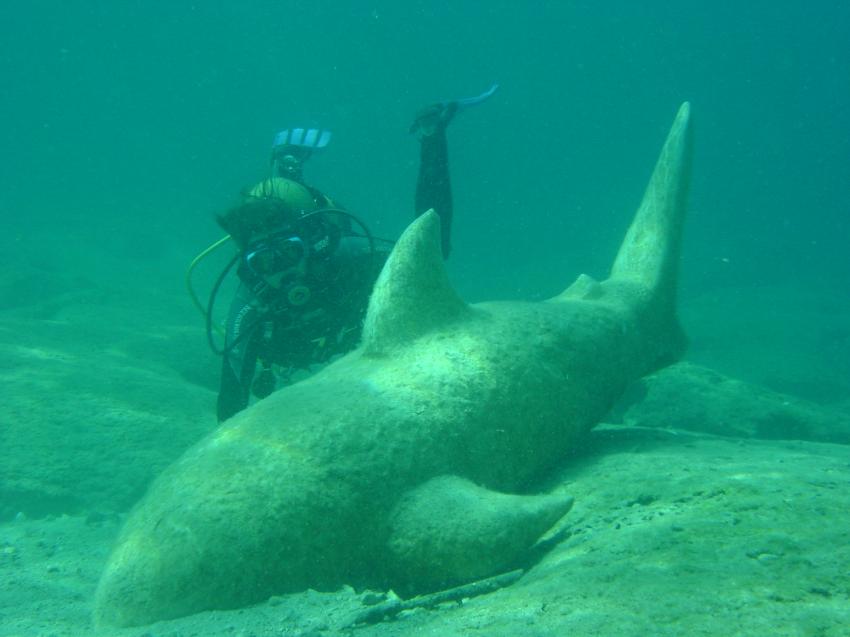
(306, 267)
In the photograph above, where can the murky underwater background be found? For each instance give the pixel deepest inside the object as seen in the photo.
(126, 126)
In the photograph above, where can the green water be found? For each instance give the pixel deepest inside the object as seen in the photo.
(129, 124)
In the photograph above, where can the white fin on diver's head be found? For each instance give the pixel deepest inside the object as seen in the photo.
(412, 295)
(312, 138)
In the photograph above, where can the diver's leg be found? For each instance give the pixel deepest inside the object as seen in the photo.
(433, 185)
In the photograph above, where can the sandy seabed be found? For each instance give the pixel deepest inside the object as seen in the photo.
(676, 530)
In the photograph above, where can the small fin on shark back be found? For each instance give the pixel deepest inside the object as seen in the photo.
(413, 294)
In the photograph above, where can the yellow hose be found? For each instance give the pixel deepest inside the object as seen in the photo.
(191, 267)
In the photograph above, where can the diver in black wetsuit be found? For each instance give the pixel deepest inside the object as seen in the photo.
(307, 267)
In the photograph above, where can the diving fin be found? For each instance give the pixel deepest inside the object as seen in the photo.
(437, 115)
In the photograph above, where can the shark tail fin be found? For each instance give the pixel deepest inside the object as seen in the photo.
(649, 254)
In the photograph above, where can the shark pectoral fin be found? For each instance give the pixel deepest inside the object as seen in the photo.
(412, 294)
(449, 530)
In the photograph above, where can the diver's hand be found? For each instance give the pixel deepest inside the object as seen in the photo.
(433, 118)
(264, 384)
(437, 116)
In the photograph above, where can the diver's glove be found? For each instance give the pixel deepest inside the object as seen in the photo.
(264, 383)
(437, 116)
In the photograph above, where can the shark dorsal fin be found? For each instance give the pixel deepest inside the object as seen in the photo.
(412, 295)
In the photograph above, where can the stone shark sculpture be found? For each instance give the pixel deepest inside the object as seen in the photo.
(391, 467)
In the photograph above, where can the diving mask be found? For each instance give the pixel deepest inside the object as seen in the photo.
(275, 255)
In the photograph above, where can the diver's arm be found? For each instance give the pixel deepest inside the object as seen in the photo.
(232, 394)
(433, 185)
(237, 374)
(240, 356)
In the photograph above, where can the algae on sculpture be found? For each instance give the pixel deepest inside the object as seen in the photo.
(361, 474)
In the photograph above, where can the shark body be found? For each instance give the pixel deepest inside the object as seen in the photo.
(400, 464)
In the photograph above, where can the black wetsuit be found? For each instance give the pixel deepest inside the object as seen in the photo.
(295, 337)
(330, 322)
(433, 186)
